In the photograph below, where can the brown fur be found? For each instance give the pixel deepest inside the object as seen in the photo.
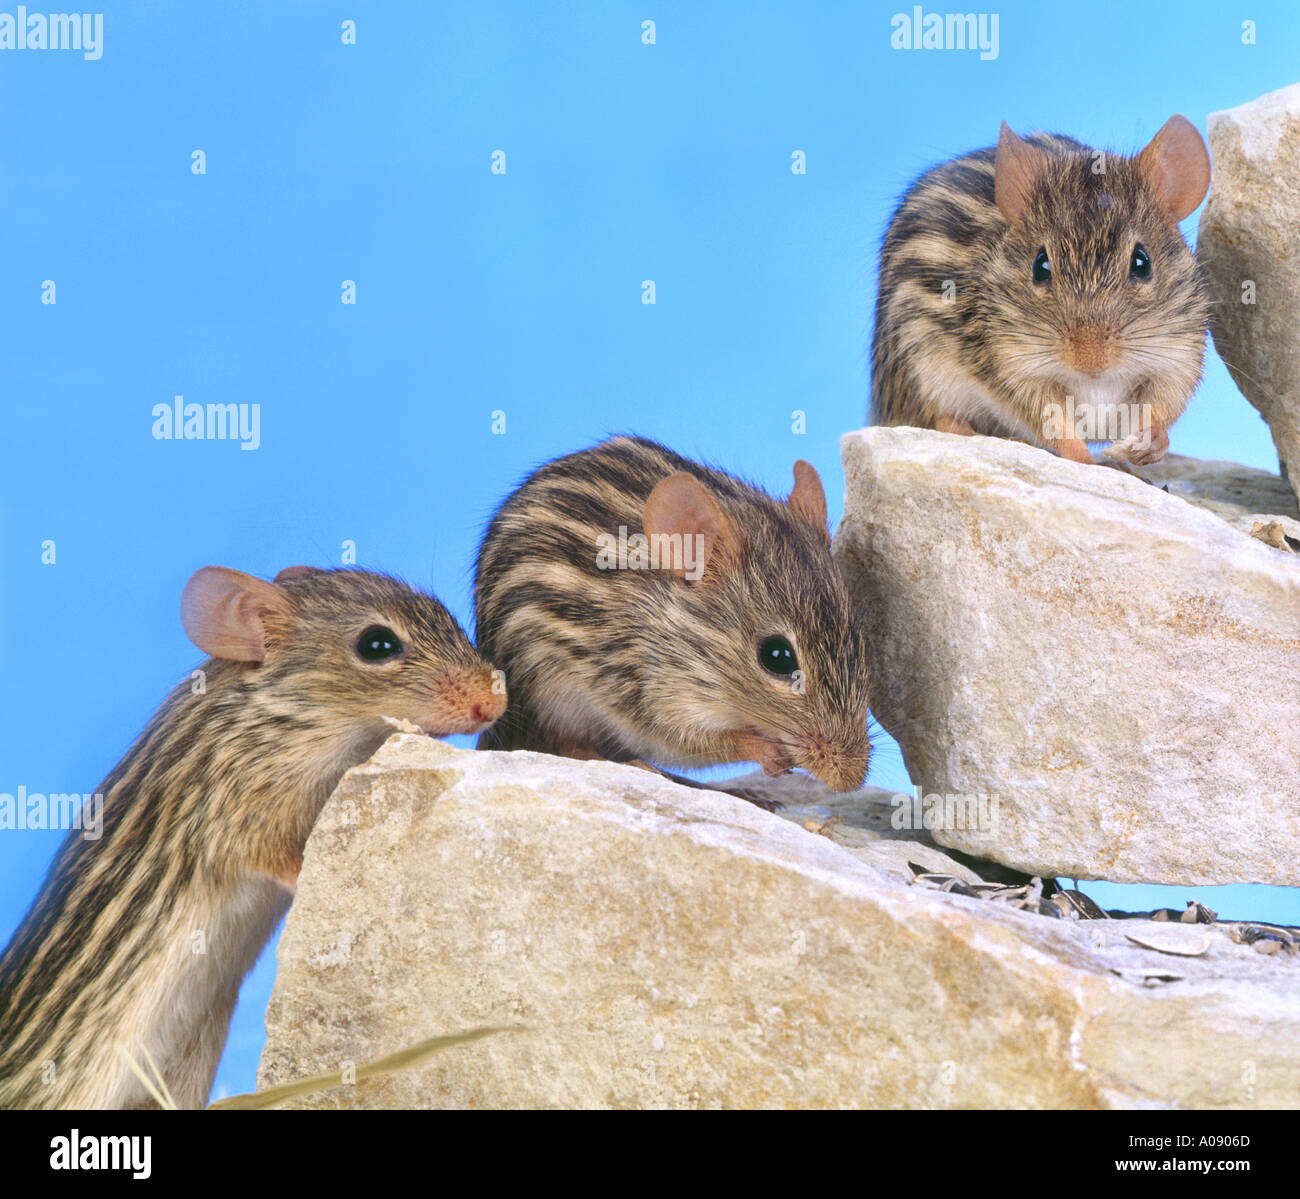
(205, 820)
(966, 341)
(648, 665)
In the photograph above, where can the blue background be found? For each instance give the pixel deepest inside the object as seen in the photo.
(475, 291)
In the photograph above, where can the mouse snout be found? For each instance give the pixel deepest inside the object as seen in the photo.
(839, 760)
(841, 774)
(1090, 349)
(488, 711)
(467, 701)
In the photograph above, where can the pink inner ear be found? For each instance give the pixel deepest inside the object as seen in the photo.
(295, 572)
(808, 498)
(223, 612)
(1177, 166)
(681, 504)
(1016, 171)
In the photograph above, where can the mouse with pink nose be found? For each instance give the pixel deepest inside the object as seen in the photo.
(1041, 290)
(141, 935)
(650, 609)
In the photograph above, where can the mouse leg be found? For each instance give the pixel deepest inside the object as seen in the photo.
(1073, 449)
(953, 424)
(1147, 444)
(577, 749)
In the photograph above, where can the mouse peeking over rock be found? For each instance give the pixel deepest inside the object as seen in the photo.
(141, 937)
(1041, 290)
(649, 609)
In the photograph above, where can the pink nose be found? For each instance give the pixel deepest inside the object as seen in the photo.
(487, 712)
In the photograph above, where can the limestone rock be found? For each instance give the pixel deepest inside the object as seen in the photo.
(1101, 679)
(1247, 241)
(653, 945)
(1241, 495)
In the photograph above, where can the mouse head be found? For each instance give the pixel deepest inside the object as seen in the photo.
(1093, 291)
(352, 645)
(756, 656)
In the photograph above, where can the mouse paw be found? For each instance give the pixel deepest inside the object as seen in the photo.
(1073, 450)
(1141, 448)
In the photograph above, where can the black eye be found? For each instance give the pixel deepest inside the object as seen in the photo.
(1042, 268)
(1139, 265)
(378, 643)
(777, 655)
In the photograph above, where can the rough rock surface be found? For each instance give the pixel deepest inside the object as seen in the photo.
(867, 822)
(652, 945)
(1247, 242)
(1241, 495)
(1113, 671)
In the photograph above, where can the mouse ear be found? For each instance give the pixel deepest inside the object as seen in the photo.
(682, 505)
(808, 499)
(1017, 169)
(225, 612)
(1176, 165)
(295, 572)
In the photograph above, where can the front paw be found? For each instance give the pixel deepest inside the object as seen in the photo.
(1141, 448)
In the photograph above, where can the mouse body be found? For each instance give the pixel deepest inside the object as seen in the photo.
(142, 937)
(646, 608)
(1041, 290)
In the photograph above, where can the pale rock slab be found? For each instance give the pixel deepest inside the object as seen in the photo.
(1114, 669)
(651, 945)
(1247, 244)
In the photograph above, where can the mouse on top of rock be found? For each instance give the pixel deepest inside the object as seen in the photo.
(141, 936)
(646, 608)
(1041, 290)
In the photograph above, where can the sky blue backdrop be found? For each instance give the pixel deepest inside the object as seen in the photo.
(475, 291)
